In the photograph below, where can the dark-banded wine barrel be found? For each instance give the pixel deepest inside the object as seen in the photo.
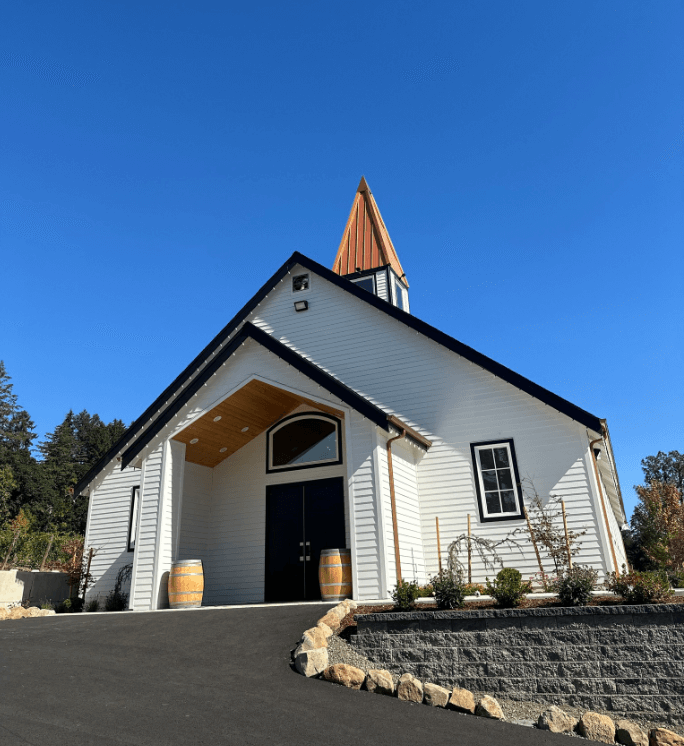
(186, 584)
(334, 574)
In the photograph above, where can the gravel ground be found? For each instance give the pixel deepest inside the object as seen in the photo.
(521, 712)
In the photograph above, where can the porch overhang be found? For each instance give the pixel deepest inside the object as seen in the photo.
(249, 331)
(240, 418)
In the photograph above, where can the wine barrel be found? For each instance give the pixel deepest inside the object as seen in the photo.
(334, 574)
(186, 584)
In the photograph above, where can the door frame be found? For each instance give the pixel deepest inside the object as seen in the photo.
(301, 484)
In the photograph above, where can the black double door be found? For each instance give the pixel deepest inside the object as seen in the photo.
(302, 518)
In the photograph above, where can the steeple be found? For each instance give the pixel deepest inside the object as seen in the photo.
(365, 242)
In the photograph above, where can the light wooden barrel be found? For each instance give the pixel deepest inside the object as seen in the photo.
(186, 584)
(334, 574)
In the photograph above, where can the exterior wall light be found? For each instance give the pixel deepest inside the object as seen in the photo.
(301, 305)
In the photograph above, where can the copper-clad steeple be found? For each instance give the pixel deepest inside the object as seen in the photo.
(365, 242)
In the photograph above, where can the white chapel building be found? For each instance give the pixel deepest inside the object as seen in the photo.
(325, 415)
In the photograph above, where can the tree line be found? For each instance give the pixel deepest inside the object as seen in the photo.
(37, 477)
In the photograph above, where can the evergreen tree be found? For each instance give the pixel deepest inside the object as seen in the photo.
(68, 452)
(44, 489)
(22, 482)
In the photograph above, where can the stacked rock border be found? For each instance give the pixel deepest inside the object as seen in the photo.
(311, 659)
(22, 612)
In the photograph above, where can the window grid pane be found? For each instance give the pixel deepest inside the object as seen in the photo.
(496, 473)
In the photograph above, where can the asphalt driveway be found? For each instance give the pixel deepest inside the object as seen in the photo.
(212, 676)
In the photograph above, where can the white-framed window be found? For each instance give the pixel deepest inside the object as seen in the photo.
(302, 441)
(399, 295)
(367, 283)
(496, 480)
(133, 520)
(301, 282)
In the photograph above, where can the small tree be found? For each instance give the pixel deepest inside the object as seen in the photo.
(75, 564)
(547, 525)
(658, 525)
(18, 526)
(486, 549)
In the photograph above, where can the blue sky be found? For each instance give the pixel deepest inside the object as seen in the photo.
(159, 161)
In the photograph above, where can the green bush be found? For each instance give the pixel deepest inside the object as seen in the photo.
(575, 585)
(404, 594)
(508, 588)
(449, 590)
(70, 606)
(641, 587)
(47, 604)
(116, 601)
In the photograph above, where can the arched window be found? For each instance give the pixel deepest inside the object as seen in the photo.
(302, 441)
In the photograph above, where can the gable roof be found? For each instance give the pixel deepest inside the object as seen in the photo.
(176, 388)
(250, 331)
(365, 241)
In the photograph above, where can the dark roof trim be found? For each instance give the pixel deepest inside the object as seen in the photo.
(501, 371)
(313, 372)
(506, 374)
(409, 432)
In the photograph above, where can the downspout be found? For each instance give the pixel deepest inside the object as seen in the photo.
(603, 503)
(393, 501)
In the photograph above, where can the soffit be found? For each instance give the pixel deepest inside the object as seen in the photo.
(256, 406)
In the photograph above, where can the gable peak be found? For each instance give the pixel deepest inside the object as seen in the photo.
(366, 243)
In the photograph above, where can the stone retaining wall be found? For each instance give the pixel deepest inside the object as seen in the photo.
(625, 659)
(23, 586)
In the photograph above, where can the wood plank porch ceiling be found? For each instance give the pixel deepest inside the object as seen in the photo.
(257, 406)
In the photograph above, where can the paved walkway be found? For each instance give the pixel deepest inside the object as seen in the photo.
(212, 676)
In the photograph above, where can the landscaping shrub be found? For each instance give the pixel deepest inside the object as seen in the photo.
(404, 594)
(46, 604)
(641, 587)
(449, 590)
(508, 588)
(70, 606)
(93, 605)
(575, 585)
(117, 600)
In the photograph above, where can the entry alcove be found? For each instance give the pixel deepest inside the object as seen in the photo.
(257, 525)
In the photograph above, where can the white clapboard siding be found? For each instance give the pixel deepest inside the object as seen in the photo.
(364, 504)
(195, 512)
(107, 533)
(142, 586)
(409, 524)
(454, 402)
(172, 472)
